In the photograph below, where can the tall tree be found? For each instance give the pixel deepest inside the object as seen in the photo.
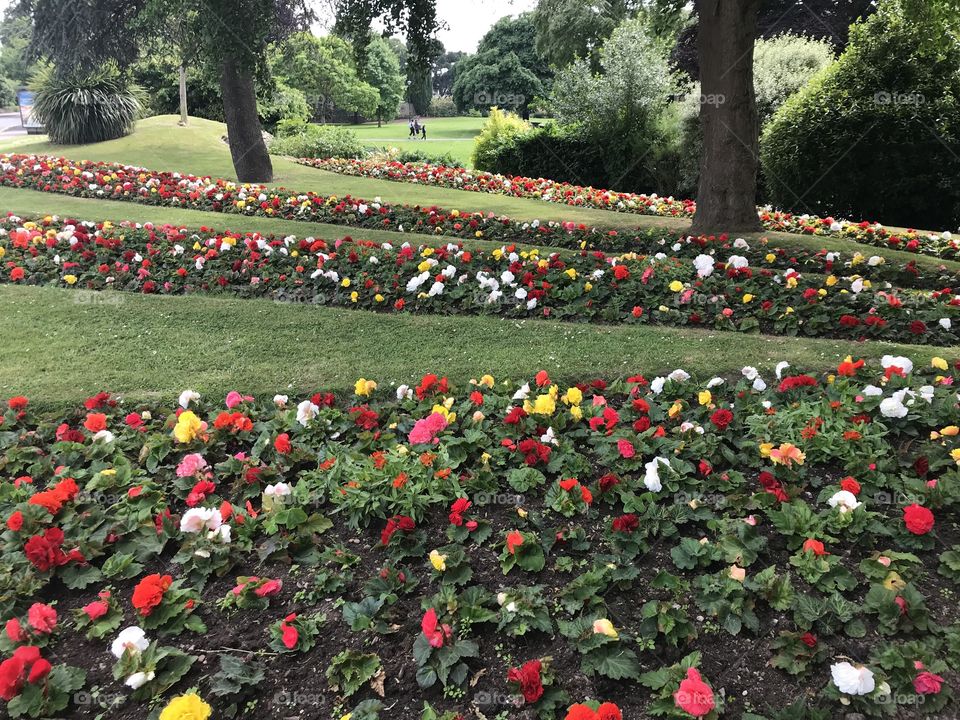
(383, 73)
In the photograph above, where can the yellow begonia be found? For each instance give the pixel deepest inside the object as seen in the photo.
(747, 297)
(705, 397)
(438, 561)
(186, 707)
(70, 279)
(765, 449)
(950, 431)
(939, 363)
(573, 396)
(676, 286)
(364, 387)
(188, 427)
(605, 627)
(576, 412)
(487, 380)
(543, 405)
(674, 410)
(955, 454)
(345, 282)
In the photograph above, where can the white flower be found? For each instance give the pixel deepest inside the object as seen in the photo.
(306, 411)
(872, 391)
(522, 393)
(945, 323)
(103, 436)
(139, 679)
(549, 438)
(187, 397)
(714, 382)
(196, 519)
(279, 490)
(704, 265)
(404, 392)
(845, 500)
(893, 407)
(750, 373)
(652, 477)
(280, 400)
(222, 533)
(759, 385)
(133, 639)
(657, 385)
(679, 375)
(781, 366)
(737, 262)
(901, 362)
(851, 679)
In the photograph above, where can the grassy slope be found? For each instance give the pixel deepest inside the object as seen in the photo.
(59, 347)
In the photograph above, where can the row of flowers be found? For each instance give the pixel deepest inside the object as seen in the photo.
(718, 290)
(523, 544)
(551, 191)
(114, 181)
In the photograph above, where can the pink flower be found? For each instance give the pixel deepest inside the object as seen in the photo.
(42, 618)
(268, 589)
(626, 448)
(926, 683)
(15, 631)
(694, 696)
(290, 634)
(97, 609)
(426, 430)
(191, 465)
(233, 399)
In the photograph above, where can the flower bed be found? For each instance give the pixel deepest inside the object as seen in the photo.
(580, 196)
(720, 291)
(660, 546)
(113, 181)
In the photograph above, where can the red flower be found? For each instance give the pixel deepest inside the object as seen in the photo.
(397, 522)
(626, 523)
(721, 418)
(528, 678)
(814, 546)
(44, 551)
(291, 636)
(850, 485)
(625, 448)
(42, 618)
(459, 507)
(41, 668)
(282, 443)
(809, 639)
(514, 540)
(149, 592)
(15, 521)
(918, 519)
(694, 696)
(17, 403)
(97, 609)
(435, 633)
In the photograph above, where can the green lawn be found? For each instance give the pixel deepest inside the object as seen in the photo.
(60, 347)
(444, 135)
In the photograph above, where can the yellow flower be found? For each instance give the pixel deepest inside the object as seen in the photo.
(3, 251)
(445, 411)
(605, 627)
(588, 286)
(364, 387)
(747, 297)
(939, 363)
(424, 266)
(676, 286)
(345, 282)
(950, 431)
(70, 279)
(705, 397)
(572, 274)
(188, 427)
(487, 380)
(354, 296)
(522, 513)
(573, 396)
(770, 257)
(675, 409)
(955, 454)
(438, 561)
(378, 297)
(765, 449)
(832, 280)
(543, 405)
(186, 707)
(576, 412)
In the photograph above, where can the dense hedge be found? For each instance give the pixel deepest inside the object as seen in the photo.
(875, 134)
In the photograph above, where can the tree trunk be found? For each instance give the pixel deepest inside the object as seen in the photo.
(251, 161)
(183, 95)
(727, 196)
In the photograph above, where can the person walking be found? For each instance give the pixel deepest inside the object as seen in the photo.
(423, 130)
(412, 130)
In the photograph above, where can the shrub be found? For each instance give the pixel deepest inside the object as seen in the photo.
(443, 107)
(875, 135)
(783, 65)
(285, 103)
(77, 109)
(316, 141)
(415, 155)
(501, 127)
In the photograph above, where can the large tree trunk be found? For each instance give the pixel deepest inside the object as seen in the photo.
(251, 161)
(183, 95)
(727, 196)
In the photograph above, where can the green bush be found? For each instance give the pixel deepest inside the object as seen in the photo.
(561, 153)
(285, 103)
(77, 109)
(877, 134)
(405, 155)
(500, 129)
(443, 107)
(782, 66)
(316, 141)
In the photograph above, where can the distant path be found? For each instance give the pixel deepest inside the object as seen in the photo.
(10, 125)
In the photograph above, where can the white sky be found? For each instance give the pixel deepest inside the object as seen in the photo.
(468, 20)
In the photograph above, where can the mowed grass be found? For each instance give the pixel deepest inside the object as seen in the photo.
(61, 346)
(452, 136)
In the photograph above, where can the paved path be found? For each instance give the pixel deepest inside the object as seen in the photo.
(10, 125)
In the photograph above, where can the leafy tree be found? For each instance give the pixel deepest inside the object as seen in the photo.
(415, 19)
(324, 70)
(419, 89)
(383, 73)
(519, 36)
(15, 33)
(445, 72)
(493, 79)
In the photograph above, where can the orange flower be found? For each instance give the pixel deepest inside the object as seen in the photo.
(514, 540)
(787, 454)
(149, 592)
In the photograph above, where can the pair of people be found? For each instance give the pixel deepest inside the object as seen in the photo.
(416, 129)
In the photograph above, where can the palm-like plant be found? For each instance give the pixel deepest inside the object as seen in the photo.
(79, 108)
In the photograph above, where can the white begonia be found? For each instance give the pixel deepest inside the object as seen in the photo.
(306, 411)
(187, 397)
(652, 477)
(852, 679)
(905, 364)
(844, 500)
(133, 639)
